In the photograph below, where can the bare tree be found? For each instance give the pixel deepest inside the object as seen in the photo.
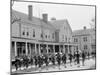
(92, 23)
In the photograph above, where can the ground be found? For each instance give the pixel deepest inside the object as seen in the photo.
(89, 64)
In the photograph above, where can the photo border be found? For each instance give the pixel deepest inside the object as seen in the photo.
(59, 4)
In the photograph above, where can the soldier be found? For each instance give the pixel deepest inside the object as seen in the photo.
(46, 61)
(70, 58)
(27, 62)
(88, 54)
(39, 62)
(16, 63)
(59, 59)
(83, 57)
(53, 59)
(75, 58)
(64, 59)
(78, 58)
(36, 61)
(31, 61)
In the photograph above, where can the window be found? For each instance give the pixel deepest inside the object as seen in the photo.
(49, 36)
(66, 38)
(41, 35)
(45, 36)
(27, 33)
(85, 47)
(93, 46)
(84, 39)
(69, 39)
(75, 40)
(23, 33)
(33, 33)
(53, 35)
(62, 36)
(77, 47)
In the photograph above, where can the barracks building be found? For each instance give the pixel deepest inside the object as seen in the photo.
(34, 36)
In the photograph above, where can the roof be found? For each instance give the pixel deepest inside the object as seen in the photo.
(83, 32)
(58, 23)
(35, 21)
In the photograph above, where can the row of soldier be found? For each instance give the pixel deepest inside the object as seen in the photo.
(57, 59)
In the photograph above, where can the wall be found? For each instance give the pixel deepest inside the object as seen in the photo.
(15, 30)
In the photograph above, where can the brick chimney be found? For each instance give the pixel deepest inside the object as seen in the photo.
(30, 13)
(45, 17)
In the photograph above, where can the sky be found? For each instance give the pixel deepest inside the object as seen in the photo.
(77, 16)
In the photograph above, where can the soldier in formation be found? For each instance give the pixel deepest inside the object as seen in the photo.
(78, 58)
(83, 57)
(64, 58)
(58, 59)
(70, 58)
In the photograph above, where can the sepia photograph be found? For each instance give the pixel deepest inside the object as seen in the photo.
(52, 37)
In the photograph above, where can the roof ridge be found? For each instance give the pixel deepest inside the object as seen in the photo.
(82, 29)
(36, 19)
(58, 20)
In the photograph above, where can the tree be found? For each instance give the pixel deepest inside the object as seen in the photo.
(92, 23)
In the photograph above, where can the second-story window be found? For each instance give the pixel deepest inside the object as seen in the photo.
(66, 38)
(84, 39)
(27, 33)
(45, 36)
(85, 47)
(23, 33)
(75, 40)
(63, 37)
(41, 35)
(33, 33)
(49, 36)
(53, 35)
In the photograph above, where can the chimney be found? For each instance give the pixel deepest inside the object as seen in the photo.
(30, 14)
(84, 27)
(45, 17)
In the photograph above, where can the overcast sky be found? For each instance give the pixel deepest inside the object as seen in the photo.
(77, 16)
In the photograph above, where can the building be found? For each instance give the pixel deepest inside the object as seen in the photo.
(63, 34)
(32, 36)
(85, 39)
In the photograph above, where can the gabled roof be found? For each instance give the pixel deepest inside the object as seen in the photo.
(83, 32)
(35, 21)
(59, 23)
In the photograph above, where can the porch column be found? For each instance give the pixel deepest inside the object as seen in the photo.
(68, 48)
(35, 48)
(72, 49)
(15, 48)
(47, 48)
(63, 48)
(39, 49)
(54, 48)
(59, 49)
(30, 49)
(26, 48)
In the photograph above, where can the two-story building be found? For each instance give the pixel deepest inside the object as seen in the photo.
(85, 39)
(63, 35)
(31, 35)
